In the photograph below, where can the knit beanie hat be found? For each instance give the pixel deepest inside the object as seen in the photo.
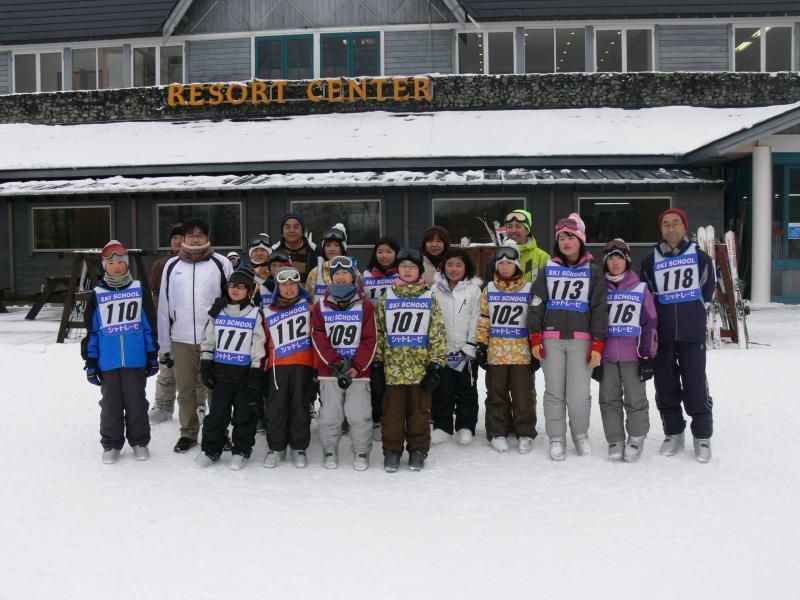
(573, 225)
(675, 211)
(245, 276)
(177, 229)
(522, 216)
(295, 216)
(337, 233)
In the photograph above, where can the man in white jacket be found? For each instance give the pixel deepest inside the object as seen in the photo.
(190, 283)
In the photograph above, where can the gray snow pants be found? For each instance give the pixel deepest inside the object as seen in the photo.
(620, 387)
(123, 409)
(566, 386)
(165, 389)
(355, 403)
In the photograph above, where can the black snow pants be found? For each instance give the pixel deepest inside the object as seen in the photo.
(680, 378)
(231, 394)
(286, 415)
(457, 394)
(123, 409)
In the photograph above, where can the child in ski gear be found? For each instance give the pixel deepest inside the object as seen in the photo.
(259, 251)
(458, 294)
(380, 274)
(234, 258)
(231, 363)
(344, 337)
(191, 282)
(290, 369)
(334, 243)
(682, 280)
(568, 322)
(506, 354)
(627, 355)
(408, 362)
(120, 353)
(435, 242)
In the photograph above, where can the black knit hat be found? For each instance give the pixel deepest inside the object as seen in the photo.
(245, 276)
(177, 229)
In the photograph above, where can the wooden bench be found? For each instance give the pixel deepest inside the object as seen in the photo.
(3, 308)
(52, 287)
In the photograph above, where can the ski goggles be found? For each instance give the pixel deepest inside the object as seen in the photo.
(280, 256)
(411, 254)
(334, 235)
(618, 247)
(260, 241)
(113, 250)
(518, 217)
(287, 276)
(342, 262)
(506, 253)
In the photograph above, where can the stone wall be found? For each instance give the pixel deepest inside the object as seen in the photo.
(450, 92)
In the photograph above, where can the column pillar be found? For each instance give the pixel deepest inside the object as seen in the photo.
(761, 271)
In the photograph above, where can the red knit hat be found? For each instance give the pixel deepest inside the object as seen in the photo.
(675, 211)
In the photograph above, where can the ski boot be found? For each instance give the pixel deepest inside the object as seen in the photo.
(702, 449)
(633, 448)
(672, 444)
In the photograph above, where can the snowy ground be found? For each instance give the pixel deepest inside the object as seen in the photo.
(473, 524)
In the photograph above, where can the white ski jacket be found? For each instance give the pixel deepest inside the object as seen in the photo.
(187, 292)
(461, 307)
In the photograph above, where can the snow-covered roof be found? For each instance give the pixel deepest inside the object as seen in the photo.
(111, 185)
(314, 140)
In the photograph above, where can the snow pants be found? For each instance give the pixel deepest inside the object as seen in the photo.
(566, 387)
(230, 395)
(510, 401)
(456, 394)
(621, 387)
(165, 389)
(123, 409)
(353, 403)
(406, 410)
(680, 377)
(286, 415)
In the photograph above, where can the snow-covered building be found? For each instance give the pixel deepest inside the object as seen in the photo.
(381, 169)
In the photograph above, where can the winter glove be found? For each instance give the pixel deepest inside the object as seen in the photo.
(207, 373)
(537, 346)
(645, 369)
(217, 307)
(535, 364)
(166, 360)
(597, 373)
(341, 369)
(482, 356)
(433, 377)
(595, 354)
(152, 364)
(377, 380)
(93, 374)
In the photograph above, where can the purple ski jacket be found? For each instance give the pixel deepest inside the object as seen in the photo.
(621, 349)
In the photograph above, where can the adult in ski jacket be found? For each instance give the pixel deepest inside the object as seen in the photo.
(294, 242)
(518, 225)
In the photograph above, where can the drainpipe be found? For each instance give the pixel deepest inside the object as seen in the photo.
(760, 278)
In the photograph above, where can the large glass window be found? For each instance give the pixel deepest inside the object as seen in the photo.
(144, 66)
(350, 54)
(50, 72)
(623, 50)
(286, 57)
(224, 220)
(361, 218)
(628, 217)
(460, 215)
(762, 49)
(70, 228)
(84, 69)
(501, 52)
(747, 54)
(171, 64)
(470, 53)
(110, 67)
(555, 51)
(24, 73)
(778, 49)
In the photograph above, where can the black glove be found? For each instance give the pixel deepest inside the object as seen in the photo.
(340, 370)
(93, 374)
(377, 380)
(152, 364)
(645, 369)
(166, 360)
(207, 373)
(217, 307)
(433, 377)
(597, 373)
(535, 364)
(482, 356)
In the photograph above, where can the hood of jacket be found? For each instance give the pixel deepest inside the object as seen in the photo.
(409, 290)
(510, 286)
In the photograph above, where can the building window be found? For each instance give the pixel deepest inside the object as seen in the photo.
(501, 51)
(286, 57)
(623, 50)
(24, 73)
(361, 218)
(51, 72)
(470, 53)
(84, 69)
(224, 220)
(763, 49)
(144, 67)
(58, 228)
(350, 54)
(109, 70)
(40, 72)
(555, 50)
(157, 65)
(460, 215)
(171, 65)
(628, 217)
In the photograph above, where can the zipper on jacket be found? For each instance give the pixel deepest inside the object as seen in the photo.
(122, 349)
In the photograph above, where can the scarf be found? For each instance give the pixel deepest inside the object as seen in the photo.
(615, 278)
(194, 254)
(118, 281)
(282, 302)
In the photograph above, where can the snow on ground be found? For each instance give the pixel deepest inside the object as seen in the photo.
(472, 524)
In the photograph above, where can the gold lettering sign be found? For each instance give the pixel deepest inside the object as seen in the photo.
(359, 89)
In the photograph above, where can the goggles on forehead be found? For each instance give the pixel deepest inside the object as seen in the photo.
(279, 256)
(261, 240)
(342, 262)
(411, 254)
(518, 217)
(616, 245)
(334, 235)
(506, 253)
(287, 276)
(567, 224)
(111, 251)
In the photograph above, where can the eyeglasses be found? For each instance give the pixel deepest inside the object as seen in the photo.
(287, 276)
(342, 262)
(411, 254)
(334, 235)
(506, 253)
(260, 240)
(236, 286)
(517, 217)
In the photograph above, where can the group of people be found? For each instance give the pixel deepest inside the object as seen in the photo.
(393, 353)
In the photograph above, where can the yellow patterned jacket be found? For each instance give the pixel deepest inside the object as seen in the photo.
(503, 351)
